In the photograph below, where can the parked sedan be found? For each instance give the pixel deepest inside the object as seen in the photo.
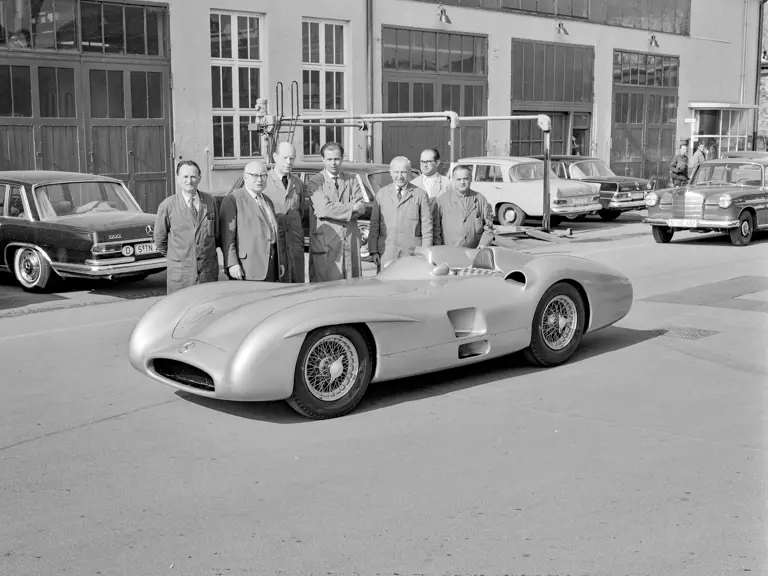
(66, 224)
(618, 194)
(515, 189)
(371, 178)
(726, 196)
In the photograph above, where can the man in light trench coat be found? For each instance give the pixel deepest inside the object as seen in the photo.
(462, 217)
(187, 231)
(337, 203)
(287, 195)
(401, 218)
(430, 180)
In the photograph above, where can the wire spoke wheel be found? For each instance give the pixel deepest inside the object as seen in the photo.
(559, 321)
(331, 367)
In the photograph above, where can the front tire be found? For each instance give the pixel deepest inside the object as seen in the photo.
(558, 326)
(332, 373)
(742, 235)
(510, 215)
(31, 269)
(662, 234)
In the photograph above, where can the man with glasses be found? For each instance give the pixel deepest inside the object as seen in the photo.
(430, 179)
(250, 242)
(187, 231)
(287, 195)
(401, 218)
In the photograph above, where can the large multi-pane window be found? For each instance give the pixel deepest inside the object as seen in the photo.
(323, 80)
(236, 62)
(672, 16)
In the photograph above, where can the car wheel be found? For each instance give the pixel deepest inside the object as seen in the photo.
(555, 221)
(31, 269)
(364, 228)
(558, 326)
(332, 373)
(510, 215)
(576, 217)
(662, 234)
(742, 235)
(609, 215)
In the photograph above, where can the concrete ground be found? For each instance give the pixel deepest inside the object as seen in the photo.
(645, 454)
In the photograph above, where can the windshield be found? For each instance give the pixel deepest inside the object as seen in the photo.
(61, 200)
(590, 169)
(528, 172)
(380, 179)
(736, 173)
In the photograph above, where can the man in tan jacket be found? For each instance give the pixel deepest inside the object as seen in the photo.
(462, 217)
(401, 218)
(337, 203)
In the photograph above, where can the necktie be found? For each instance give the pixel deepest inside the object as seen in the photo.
(399, 194)
(285, 182)
(336, 182)
(193, 209)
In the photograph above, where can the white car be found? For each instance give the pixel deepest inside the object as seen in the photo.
(514, 187)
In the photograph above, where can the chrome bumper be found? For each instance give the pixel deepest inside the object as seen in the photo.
(626, 204)
(585, 209)
(90, 268)
(699, 223)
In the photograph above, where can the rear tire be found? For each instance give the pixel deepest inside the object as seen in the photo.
(558, 326)
(510, 215)
(332, 373)
(662, 234)
(609, 215)
(742, 235)
(32, 269)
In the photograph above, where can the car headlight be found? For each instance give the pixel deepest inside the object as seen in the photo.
(725, 200)
(652, 199)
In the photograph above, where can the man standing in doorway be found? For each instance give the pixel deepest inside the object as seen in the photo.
(336, 204)
(187, 231)
(462, 216)
(252, 248)
(698, 157)
(287, 195)
(430, 180)
(679, 167)
(401, 218)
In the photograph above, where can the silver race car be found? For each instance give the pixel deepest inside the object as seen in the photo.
(319, 346)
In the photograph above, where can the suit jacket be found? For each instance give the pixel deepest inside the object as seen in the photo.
(466, 222)
(442, 185)
(289, 210)
(334, 238)
(396, 228)
(245, 235)
(189, 245)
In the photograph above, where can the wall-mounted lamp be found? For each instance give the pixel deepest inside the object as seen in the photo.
(652, 41)
(442, 15)
(561, 29)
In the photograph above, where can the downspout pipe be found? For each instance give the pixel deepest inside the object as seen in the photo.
(759, 72)
(369, 36)
(744, 52)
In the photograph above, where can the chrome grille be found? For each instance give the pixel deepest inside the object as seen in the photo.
(688, 205)
(183, 374)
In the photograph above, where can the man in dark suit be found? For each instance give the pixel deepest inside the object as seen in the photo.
(250, 240)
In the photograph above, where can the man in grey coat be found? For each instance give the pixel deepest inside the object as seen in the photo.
(337, 203)
(462, 217)
(430, 180)
(401, 218)
(253, 247)
(187, 231)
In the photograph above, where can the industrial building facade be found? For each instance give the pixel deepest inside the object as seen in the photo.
(129, 88)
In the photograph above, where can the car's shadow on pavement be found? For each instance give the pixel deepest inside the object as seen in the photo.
(718, 239)
(391, 393)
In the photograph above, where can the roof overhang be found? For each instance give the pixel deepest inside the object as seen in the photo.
(721, 106)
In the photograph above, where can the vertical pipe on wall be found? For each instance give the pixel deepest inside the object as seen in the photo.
(758, 73)
(744, 52)
(369, 36)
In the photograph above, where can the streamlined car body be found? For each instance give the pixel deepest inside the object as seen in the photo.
(319, 345)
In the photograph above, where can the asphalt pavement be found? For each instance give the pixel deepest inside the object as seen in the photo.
(643, 455)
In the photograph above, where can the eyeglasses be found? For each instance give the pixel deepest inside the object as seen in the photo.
(252, 175)
(427, 161)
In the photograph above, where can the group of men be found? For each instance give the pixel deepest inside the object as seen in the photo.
(681, 168)
(258, 227)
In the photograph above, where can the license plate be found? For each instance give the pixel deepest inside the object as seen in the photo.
(637, 195)
(580, 201)
(683, 223)
(148, 248)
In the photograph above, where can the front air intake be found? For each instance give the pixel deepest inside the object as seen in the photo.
(184, 374)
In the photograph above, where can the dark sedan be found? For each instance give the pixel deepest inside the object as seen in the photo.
(617, 193)
(67, 224)
(371, 178)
